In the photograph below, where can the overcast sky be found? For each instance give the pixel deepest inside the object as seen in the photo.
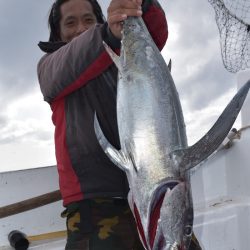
(26, 131)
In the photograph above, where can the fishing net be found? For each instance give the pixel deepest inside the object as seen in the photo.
(233, 20)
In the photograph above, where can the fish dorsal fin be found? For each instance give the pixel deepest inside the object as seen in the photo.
(113, 55)
(190, 157)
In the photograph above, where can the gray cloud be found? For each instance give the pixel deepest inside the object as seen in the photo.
(16, 135)
(22, 24)
(197, 47)
(207, 84)
(3, 121)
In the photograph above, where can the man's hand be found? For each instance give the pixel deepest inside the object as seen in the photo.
(119, 10)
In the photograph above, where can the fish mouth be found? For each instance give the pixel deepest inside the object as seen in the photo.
(163, 190)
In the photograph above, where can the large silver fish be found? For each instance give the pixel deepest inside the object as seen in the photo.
(154, 151)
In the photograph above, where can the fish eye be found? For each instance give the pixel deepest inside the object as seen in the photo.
(188, 231)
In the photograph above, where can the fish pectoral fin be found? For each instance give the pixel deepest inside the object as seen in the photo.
(195, 154)
(113, 55)
(116, 156)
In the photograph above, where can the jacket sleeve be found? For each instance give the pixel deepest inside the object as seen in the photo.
(155, 20)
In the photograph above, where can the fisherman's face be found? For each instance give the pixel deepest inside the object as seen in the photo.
(77, 16)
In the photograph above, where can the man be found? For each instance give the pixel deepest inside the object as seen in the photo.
(77, 79)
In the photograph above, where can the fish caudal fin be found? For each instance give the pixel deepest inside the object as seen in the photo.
(113, 55)
(195, 154)
(116, 156)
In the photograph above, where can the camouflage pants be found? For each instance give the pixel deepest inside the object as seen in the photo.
(103, 224)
